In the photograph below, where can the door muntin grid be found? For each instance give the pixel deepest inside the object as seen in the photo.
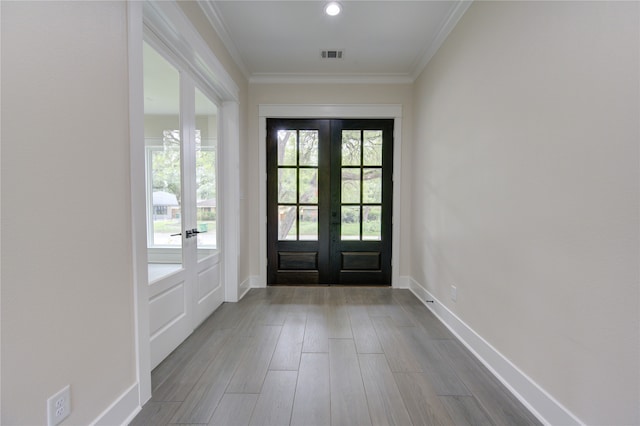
(297, 185)
(361, 185)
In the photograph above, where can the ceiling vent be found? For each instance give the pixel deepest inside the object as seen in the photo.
(332, 54)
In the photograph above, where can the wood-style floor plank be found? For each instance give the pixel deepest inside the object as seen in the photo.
(251, 371)
(319, 295)
(200, 403)
(465, 410)
(375, 302)
(421, 315)
(234, 409)
(433, 328)
(495, 399)
(364, 334)
(156, 414)
(229, 315)
(183, 354)
(421, 400)
(275, 312)
(179, 357)
(276, 399)
(383, 397)
(326, 356)
(289, 347)
(398, 352)
(181, 381)
(316, 336)
(312, 404)
(439, 371)
(348, 398)
(337, 321)
(386, 304)
(300, 300)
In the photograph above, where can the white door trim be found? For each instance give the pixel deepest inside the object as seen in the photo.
(393, 111)
(229, 189)
(138, 202)
(166, 22)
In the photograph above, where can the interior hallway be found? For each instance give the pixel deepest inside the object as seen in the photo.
(326, 356)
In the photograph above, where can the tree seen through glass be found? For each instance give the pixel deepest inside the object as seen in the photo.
(361, 185)
(298, 184)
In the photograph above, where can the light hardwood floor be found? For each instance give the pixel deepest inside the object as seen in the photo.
(326, 356)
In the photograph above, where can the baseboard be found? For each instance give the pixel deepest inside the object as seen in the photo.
(122, 410)
(544, 406)
(404, 281)
(244, 287)
(256, 282)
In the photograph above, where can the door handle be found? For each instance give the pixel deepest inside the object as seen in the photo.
(193, 232)
(189, 233)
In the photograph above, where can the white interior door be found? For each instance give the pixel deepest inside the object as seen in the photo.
(181, 129)
(208, 290)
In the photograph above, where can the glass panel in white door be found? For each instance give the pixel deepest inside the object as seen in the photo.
(163, 164)
(170, 313)
(206, 175)
(203, 178)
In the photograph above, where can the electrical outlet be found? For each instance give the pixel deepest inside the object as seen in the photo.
(59, 406)
(454, 293)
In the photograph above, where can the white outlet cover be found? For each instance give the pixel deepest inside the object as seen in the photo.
(59, 406)
(454, 293)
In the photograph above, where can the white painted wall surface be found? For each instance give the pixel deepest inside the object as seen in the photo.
(526, 193)
(67, 291)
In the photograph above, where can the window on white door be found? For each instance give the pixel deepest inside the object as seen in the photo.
(163, 148)
(181, 137)
(206, 174)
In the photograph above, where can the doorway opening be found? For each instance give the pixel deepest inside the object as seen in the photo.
(329, 201)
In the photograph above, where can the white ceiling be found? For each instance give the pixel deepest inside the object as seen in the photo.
(382, 40)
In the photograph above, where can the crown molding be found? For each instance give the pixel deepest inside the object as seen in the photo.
(330, 79)
(330, 110)
(456, 12)
(212, 13)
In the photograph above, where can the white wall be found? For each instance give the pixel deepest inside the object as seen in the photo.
(322, 94)
(525, 193)
(67, 291)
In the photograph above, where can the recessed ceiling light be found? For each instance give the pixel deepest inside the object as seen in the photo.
(333, 8)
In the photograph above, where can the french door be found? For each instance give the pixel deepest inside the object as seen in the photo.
(329, 201)
(181, 132)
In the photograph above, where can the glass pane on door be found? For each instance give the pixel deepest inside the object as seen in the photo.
(350, 224)
(206, 174)
(361, 186)
(372, 223)
(297, 168)
(309, 223)
(372, 152)
(163, 160)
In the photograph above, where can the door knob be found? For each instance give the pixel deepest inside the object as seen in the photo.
(189, 233)
(193, 232)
